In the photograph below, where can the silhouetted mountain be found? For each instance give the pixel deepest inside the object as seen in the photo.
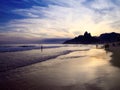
(109, 37)
(83, 39)
(88, 39)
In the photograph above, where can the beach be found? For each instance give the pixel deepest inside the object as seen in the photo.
(83, 68)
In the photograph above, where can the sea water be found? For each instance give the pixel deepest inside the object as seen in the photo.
(18, 55)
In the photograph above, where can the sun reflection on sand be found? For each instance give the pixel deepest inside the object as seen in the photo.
(66, 71)
(76, 70)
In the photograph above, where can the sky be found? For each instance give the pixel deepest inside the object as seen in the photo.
(36, 20)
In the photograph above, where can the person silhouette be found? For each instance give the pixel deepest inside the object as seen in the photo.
(96, 45)
(41, 48)
(106, 46)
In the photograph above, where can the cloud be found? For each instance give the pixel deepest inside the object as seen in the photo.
(102, 4)
(59, 17)
(65, 18)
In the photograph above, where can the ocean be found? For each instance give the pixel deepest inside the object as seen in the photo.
(18, 55)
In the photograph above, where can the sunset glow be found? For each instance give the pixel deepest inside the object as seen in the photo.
(39, 19)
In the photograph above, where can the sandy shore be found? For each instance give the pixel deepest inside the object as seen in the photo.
(79, 70)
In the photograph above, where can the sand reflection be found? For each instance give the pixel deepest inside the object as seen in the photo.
(80, 70)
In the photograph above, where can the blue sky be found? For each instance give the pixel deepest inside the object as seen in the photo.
(34, 20)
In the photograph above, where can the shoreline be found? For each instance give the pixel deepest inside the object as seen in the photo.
(88, 70)
(33, 61)
(65, 72)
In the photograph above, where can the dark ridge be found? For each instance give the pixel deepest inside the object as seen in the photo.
(88, 39)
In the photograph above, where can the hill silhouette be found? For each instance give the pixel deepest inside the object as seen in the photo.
(88, 39)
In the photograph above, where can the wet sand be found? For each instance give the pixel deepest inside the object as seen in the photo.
(79, 70)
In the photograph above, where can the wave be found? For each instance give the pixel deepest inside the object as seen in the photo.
(15, 60)
(24, 63)
(23, 48)
(27, 63)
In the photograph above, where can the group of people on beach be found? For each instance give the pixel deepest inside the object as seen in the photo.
(106, 46)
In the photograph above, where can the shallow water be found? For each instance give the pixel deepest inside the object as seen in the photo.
(15, 56)
(82, 69)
